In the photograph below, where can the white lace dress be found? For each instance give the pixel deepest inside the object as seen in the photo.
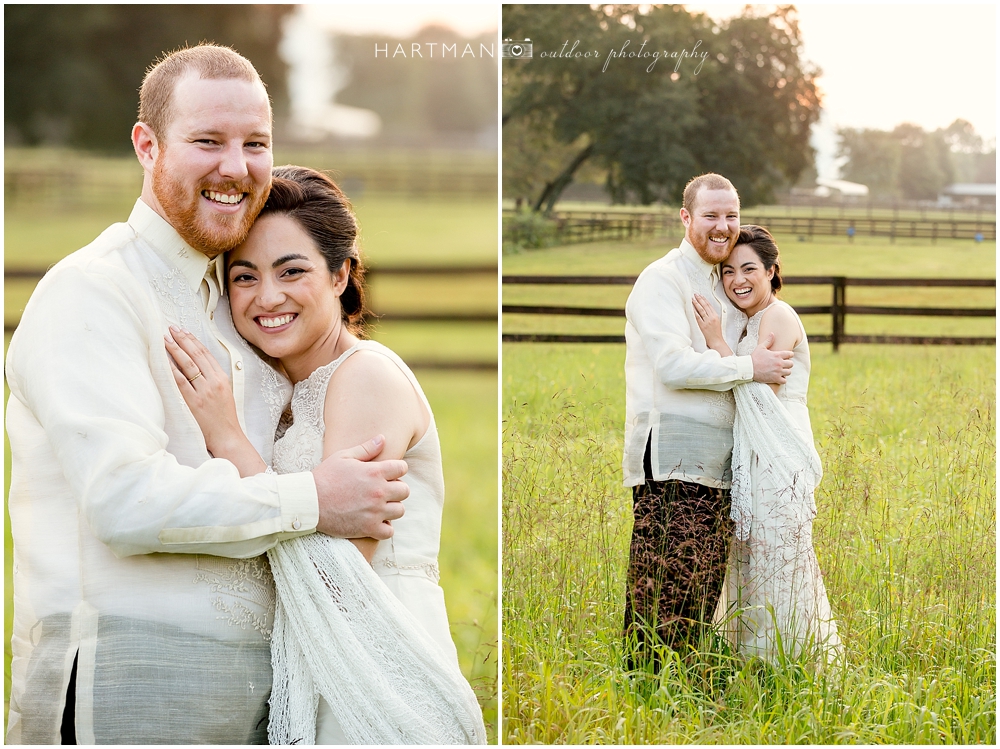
(352, 664)
(774, 601)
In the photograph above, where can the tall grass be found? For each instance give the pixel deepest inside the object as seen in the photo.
(905, 537)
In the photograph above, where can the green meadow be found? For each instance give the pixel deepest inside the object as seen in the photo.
(905, 534)
(397, 230)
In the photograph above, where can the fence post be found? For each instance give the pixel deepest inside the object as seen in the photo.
(839, 284)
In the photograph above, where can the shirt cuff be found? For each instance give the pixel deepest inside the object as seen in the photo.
(299, 502)
(744, 368)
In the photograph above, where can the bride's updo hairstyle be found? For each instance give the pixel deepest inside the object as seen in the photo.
(760, 241)
(319, 206)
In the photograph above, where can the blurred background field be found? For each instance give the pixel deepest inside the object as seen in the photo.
(398, 229)
(411, 140)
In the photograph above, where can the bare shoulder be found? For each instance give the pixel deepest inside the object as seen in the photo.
(369, 375)
(780, 314)
(369, 395)
(781, 320)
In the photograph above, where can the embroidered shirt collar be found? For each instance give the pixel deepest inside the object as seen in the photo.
(691, 255)
(167, 243)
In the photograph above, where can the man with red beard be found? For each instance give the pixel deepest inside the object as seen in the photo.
(679, 427)
(142, 605)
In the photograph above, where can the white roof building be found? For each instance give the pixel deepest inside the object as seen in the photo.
(971, 190)
(827, 187)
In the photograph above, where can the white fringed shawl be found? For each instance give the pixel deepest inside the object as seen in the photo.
(764, 431)
(340, 633)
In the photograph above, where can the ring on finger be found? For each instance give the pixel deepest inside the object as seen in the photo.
(192, 379)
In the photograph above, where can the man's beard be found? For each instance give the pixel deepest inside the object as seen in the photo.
(211, 236)
(709, 252)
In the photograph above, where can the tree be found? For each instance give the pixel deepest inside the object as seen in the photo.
(961, 137)
(533, 158)
(759, 137)
(743, 107)
(871, 158)
(912, 163)
(972, 159)
(924, 167)
(72, 72)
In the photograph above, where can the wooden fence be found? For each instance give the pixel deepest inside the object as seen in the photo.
(593, 226)
(838, 309)
(487, 269)
(87, 184)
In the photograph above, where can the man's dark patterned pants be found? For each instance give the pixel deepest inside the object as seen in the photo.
(677, 565)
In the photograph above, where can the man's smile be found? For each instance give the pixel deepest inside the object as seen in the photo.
(224, 198)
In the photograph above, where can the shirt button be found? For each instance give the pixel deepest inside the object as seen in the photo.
(211, 315)
(239, 365)
(296, 524)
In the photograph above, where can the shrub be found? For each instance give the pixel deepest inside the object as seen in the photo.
(527, 230)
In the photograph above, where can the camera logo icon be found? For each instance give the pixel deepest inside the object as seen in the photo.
(516, 50)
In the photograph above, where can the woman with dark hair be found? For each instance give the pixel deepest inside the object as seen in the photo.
(361, 649)
(774, 602)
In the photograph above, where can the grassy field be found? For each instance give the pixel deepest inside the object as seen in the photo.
(905, 537)
(396, 230)
(905, 534)
(873, 258)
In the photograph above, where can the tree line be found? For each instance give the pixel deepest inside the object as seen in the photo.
(741, 102)
(909, 162)
(593, 103)
(72, 72)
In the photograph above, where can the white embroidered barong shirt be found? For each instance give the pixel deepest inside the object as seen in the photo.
(676, 388)
(135, 551)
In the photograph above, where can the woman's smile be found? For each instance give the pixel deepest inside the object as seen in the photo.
(275, 323)
(743, 292)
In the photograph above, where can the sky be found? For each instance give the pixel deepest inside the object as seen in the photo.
(885, 64)
(314, 80)
(401, 21)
